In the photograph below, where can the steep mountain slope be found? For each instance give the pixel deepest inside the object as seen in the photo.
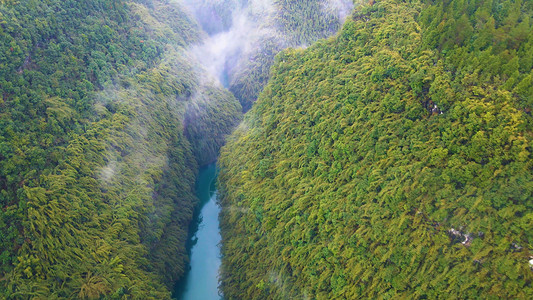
(393, 160)
(290, 24)
(251, 32)
(285, 23)
(97, 161)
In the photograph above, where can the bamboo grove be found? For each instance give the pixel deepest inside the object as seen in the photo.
(100, 115)
(393, 160)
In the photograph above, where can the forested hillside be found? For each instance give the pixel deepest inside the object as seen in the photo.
(260, 29)
(289, 23)
(103, 122)
(393, 160)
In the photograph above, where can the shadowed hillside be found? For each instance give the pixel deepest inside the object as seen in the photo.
(101, 131)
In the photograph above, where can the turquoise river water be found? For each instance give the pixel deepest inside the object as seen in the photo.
(201, 281)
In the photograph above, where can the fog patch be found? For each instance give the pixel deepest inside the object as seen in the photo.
(262, 7)
(107, 173)
(280, 281)
(234, 209)
(213, 16)
(222, 52)
(301, 47)
(244, 126)
(219, 53)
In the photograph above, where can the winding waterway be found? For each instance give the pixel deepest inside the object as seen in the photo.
(220, 54)
(201, 281)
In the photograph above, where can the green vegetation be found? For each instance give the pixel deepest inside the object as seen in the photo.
(393, 160)
(292, 23)
(304, 22)
(97, 169)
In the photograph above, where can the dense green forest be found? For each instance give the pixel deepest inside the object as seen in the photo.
(103, 123)
(279, 24)
(392, 160)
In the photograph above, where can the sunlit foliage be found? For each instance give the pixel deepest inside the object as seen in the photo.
(391, 161)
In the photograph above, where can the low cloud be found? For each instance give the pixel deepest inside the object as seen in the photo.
(238, 34)
(107, 173)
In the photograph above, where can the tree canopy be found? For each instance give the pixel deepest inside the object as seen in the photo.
(97, 161)
(392, 160)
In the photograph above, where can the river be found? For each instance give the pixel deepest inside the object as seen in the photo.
(220, 54)
(201, 281)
